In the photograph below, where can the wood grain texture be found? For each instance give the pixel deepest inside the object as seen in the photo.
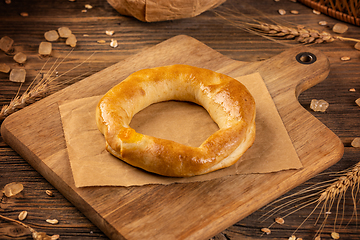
(179, 211)
(341, 117)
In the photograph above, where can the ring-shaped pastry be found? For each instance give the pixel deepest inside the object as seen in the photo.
(227, 101)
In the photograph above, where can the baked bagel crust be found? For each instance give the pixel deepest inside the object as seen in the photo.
(227, 101)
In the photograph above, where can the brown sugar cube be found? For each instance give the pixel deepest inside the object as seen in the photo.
(20, 57)
(17, 75)
(6, 43)
(45, 48)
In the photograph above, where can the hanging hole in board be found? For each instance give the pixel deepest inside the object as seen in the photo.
(306, 58)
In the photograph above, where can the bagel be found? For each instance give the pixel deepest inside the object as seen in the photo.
(227, 101)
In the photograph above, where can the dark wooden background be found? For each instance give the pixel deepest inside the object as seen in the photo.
(133, 36)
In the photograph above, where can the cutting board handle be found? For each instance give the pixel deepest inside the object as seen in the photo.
(296, 69)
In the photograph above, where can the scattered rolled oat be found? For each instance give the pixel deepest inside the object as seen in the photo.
(64, 32)
(357, 101)
(294, 12)
(113, 43)
(45, 48)
(276, 0)
(11, 189)
(323, 23)
(71, 40)
(110, 33)
(357, 46)
(84, 10)
(316, 12)
(22, 215)
(51, 35)
(292, 237)
(352, 90)
(335, 235)
(279, 220)
(49, 193)
(340, 28)
(356, 142)
(266, 230)
(24, 14)
(319, 105)
(281, 11)
(52, 221)
(20, 57)
(4, 68)
(17, 75)
(88, 6)
(101, 41)
(345, 58)
(85, 35)
(55, 237)
(6, 43)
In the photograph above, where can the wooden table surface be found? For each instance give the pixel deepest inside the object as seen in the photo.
(134, 36)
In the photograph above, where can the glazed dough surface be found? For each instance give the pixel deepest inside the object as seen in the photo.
(227, 101)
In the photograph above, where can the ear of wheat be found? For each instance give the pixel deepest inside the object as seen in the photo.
(275, 31)
(43, 84)
(328, 196)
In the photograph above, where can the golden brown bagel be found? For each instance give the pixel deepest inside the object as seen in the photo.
(227, 101)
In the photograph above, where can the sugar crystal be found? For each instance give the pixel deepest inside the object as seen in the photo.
(357, 101)
(51, 35)
(356, 142)
(17, 75)
(45, 48)
(319, 105)
(71, 40)
(64, 32)
(4, 68)
(20, 57)
(6, 43)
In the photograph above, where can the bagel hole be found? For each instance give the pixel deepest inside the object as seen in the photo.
(183, 122)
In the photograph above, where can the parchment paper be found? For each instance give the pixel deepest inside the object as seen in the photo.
(183, 122)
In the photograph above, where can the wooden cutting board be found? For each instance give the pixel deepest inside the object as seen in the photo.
(181, 211)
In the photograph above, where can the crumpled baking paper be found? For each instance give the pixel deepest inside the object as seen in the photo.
(184, 122)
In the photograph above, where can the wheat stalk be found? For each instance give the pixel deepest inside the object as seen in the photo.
(326, 195)
(277, 31)
(41, 86)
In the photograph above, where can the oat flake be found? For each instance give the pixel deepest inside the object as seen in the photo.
(282, 11)
(22, 215)
(113, 43)
(49, 193)
(335, 235)
(52, 221)
(279, 220)
(266, 230)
